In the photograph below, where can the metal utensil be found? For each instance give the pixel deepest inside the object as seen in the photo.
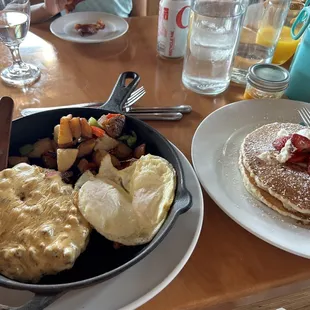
(179, 108)
(173, 116)
(6, 112)
(134, 97)
(305, 115)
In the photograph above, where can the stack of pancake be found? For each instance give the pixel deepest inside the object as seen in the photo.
(283, 187)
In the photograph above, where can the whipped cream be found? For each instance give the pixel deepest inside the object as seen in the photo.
(266, 156)
(304, 132)
(286, 152)
(282, 133)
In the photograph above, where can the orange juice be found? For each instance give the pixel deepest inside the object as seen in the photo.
(266, 36)
(285, 48)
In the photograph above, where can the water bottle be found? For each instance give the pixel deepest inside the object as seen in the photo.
(298, 88)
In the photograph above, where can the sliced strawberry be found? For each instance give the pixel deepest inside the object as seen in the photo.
(279, 143)
(298, 158)
(301, 143)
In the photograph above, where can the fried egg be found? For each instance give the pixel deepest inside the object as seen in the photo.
(129, 206)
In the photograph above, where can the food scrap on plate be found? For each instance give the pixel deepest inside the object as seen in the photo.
(89, 29)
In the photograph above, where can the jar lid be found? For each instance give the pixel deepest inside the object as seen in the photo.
(268, 77)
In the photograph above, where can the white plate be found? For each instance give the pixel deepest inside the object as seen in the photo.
(215, 151)
(63, 27)
(143, 281)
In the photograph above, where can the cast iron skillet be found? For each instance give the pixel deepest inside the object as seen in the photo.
(100, 261)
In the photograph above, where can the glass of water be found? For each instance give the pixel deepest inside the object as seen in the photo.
(14, 25)
(213, 35)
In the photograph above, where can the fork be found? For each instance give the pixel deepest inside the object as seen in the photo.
(134, 97)
(305, 115)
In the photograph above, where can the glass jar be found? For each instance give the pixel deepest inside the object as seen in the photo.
(266, 81)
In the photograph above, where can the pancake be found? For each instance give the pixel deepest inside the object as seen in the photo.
(270, 201)
(286, 182)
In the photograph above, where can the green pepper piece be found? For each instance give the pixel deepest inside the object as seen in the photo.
(93, 122)
(124, 138)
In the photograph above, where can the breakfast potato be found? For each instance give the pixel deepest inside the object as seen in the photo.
(86, 131)
(98, 156)
(139, 151)
(50, 160)
(112, 124)
(106, 143)
(41, 147)
(66, 158)
(75, 126)
(14, 160)
(65, 138)
(56, 133)
(83, 165)
(122, 151)
(86, 147)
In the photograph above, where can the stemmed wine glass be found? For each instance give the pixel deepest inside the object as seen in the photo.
(14, 25)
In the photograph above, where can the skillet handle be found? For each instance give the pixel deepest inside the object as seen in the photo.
(184, 201)
(121, 92)
(38, 302)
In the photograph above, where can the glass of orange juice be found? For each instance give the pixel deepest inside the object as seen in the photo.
(286, 45)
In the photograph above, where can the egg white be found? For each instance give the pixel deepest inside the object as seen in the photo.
(130, 205)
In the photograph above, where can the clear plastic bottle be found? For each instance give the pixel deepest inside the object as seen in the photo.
(260, 33)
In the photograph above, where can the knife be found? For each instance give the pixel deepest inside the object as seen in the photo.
(6, 108)
(178, 108)
(152, 116)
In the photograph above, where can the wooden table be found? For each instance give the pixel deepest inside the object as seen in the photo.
(229, 267)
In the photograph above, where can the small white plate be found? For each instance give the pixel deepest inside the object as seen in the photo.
(63, 27)
(215, 152)
(143, 281)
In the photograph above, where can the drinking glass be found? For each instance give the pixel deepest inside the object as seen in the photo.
(14, 25)
(213, 35)
(286, 45)
(261, 29)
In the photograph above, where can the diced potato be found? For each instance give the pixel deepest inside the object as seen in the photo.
(112, 126)
(25, 149)
(65, 138)
(75, 127)
(55, 146)
(86, 129)
(14, 160)
(41, 147)
(122, 151)
(139, 151)
(98, 155)
(56, 133)
(50, 160)
(106, 143)
(86, 147)
(115, 162)
(83, 165)
(66, 158)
